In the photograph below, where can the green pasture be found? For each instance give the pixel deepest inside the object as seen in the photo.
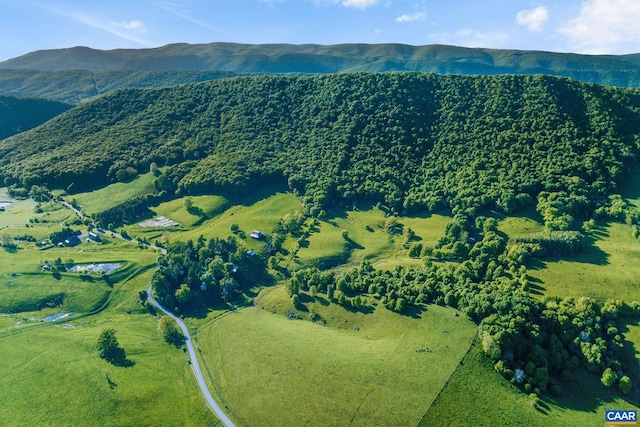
(28, 294)
(521, 225)
(70, 293)
(367, 239)
(17, 219)
(476, 395)
(377, 368)
(53, 376)
(259, 211)
(210, 206)
(608, 268)
(114, 194)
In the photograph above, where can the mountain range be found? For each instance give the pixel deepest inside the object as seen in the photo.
(46, 73)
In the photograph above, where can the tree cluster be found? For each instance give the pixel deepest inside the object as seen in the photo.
(203, 273)
(537, 344)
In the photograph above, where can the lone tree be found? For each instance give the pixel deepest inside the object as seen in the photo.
(108, 346)
(170, 331)
(625, 384)
(608, 378)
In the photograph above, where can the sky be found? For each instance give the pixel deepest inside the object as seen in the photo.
(580, 26)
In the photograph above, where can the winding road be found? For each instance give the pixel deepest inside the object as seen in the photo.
(194, 362)
(195, 365)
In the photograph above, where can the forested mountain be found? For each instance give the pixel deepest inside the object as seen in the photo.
(74, 86)
(18, 114)
(411, 141)
(615, 70)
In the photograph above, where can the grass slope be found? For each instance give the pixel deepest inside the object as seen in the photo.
(609, 268)
(476, 395)
(259, 211)
(53, 376)
(111, 195)
(367, 239)
(360, 369)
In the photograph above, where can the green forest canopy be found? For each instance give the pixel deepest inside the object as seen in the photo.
(21, 114)
(411, 141)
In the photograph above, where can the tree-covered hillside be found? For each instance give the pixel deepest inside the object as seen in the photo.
(75, 86)
(18, 114)
(412, 141)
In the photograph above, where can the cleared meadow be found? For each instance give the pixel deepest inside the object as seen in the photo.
(53, 376)
(379, 368)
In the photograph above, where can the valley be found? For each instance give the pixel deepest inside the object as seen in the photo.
(344, 249)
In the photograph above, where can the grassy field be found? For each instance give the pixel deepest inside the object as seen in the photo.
(53, 376)
(259, 211)
(477, 396)
(43, 361)
(379, 368)
(368, 239)
(367, 367)
(111, 195)
(609, 268)
(20, 217)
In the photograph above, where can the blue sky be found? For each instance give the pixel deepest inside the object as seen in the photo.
(583, 26)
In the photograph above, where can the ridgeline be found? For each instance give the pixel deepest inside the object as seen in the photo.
(409, 140)
(79, 73)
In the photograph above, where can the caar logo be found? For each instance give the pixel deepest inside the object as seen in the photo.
(620, 417)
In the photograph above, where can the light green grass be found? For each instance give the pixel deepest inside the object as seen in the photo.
(175, 209)
(360, 369)
(53, 376)
(610, 268)
(368, 239)
(32, 291)
(477, 396)
(519, 226)
(111, 195)
(251, 213)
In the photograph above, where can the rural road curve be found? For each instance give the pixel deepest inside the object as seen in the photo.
(194, 363)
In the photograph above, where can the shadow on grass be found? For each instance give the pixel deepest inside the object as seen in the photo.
(587, 393)
(352, 244)
(414, 311)
(364, 309)
(112, 384)
(322, 301)
(118, 357)
(630, 364)
(203, 311)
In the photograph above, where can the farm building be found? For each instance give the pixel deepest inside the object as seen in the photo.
(256, 234)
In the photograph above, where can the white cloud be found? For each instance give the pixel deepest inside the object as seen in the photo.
(533, 19)
(183, 11)
(356, 4)
(604, 26)
(131, 25)
(411, 18)
(359, 4)
(121, 30)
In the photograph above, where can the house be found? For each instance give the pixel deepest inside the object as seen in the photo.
(251, 252)
(256, 234)
(93, 236)
(72, 241)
